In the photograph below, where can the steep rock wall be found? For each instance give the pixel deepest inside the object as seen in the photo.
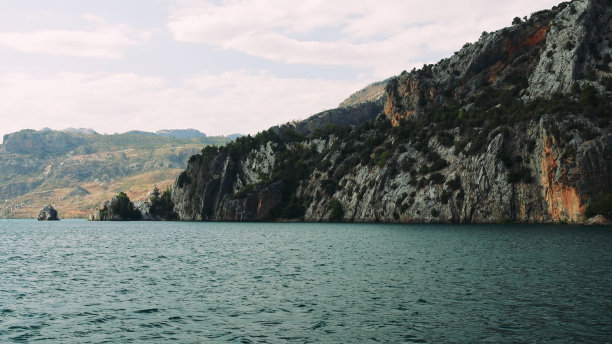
(472, 188)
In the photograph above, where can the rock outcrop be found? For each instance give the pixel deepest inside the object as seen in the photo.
(119, 208)
(513, 128)
(48, 213)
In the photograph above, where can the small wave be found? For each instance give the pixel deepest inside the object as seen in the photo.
(319, 324)
(147, 311)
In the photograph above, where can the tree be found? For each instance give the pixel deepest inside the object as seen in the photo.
(124, 208)
(155, 194)
(516, 21)
(162, 207)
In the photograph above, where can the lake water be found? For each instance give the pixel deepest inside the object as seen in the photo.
(96, 282)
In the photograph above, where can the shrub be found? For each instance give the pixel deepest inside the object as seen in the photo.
(183, 179)
(446, 195)
(600, 205)
(432, 156)
(382, 158)
(337, 211)
(407, 164)
(523, 174)
(436, 178)
(506, 158)
(422, 182)
(162, 205)
(454, 184)
(446, 139)
(329, 186)
(438, 165)
(531, 146)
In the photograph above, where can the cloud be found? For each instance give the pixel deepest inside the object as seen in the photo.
(105, 41)
(384, 36)
(236, 101)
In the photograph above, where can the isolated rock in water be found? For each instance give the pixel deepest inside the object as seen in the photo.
(47, 213)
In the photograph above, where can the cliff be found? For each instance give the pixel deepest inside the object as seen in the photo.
(515, 127)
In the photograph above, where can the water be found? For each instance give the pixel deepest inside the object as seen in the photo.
(97, 282)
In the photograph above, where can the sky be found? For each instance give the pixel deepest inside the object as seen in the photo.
(219, 66)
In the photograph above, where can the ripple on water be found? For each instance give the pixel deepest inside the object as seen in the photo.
(189, 282)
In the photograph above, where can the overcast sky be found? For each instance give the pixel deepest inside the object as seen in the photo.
(222, 66)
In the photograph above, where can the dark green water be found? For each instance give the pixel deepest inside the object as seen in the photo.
(88, 282)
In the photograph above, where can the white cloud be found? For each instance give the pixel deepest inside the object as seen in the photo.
(384, 36)
(106, 41)
(238, 101)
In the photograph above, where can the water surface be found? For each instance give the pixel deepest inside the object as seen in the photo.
(96, 282)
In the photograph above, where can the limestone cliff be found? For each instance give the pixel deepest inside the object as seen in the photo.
(515, 127)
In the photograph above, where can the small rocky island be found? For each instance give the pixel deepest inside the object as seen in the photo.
(48, 213)
(159, 207)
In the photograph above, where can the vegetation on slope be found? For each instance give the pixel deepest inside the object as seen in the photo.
(469, 129)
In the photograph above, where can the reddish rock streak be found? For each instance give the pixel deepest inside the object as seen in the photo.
(564, 202)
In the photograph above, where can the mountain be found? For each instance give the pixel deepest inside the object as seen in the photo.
(83, 131)
(181, 133)
(512, 128)
(76, 169)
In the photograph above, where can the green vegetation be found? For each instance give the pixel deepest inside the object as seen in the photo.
(522, 174)
(123, 208)
(183, 178)
(162, 206)
(468, 124)
(337, 211)
(601, 205)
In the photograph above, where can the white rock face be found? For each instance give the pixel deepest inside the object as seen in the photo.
(559, 63)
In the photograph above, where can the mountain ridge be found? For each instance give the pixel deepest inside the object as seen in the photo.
(514, 127)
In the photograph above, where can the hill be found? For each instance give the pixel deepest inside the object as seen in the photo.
(76, 169)
(515, 127)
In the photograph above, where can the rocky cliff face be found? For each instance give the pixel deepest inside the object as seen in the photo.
(515, 127)
(547, 53)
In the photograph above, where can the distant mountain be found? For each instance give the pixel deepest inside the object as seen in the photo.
(76, 169)
(516, 127)
(139, 132)
(181, 133)
(82, 131)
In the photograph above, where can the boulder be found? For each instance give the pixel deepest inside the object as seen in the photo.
(598, 220)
